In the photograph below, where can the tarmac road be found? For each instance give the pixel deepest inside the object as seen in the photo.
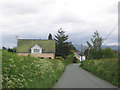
(76, 77)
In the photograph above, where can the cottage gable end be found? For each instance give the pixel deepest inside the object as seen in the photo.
(36, 49)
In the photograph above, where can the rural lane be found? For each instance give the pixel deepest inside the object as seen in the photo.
(76, 77)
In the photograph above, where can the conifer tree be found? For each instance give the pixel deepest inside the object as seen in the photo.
(50, 36)
(63, 48)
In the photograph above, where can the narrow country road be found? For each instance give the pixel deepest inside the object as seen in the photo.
(75, 77)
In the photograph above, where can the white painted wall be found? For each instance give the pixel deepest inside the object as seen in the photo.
(79, 57)
(36, 46)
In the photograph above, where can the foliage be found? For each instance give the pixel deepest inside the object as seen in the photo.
(71, 59)
(63, 48)
(60, 58)
(12, 50)
(75, 60)
(29, 72)
(108, 53)
(50, 37)
(4, 47)
(95, 50)
(106, 69)
(94, 54)
(72, 47)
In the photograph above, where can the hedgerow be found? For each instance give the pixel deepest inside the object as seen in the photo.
(29, 72)
(71, 59)
(106, 69)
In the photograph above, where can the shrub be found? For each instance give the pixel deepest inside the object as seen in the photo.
(108, 53)
(29, 55)
(75, 60)
(71, 59)
(94, 54)
(60, 58)
(41, 57)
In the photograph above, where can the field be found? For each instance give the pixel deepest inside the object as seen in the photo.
(106, 69)
(29, 72)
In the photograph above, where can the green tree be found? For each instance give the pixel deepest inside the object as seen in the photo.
(94, 49)
(108, 53)
(63, 48)
(4, 47)
(14, 49)
(50, 36)
(72, 46)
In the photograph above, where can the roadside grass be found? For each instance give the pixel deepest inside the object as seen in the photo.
(29, 72)
(106, 69)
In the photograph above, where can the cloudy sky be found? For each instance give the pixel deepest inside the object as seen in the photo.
(37, 18)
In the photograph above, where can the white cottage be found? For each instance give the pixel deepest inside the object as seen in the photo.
(36, 49)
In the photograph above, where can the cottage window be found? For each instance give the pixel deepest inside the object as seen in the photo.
(36, 50)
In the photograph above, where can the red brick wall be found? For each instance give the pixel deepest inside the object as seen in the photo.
(45, 55)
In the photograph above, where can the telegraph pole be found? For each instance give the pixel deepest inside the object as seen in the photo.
(81, 52)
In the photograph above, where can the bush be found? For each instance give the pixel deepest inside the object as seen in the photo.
(60, 58)
(71, 59)
(108, 53)
(41, 57)
(29, 72)
(74, 60)
(106, 69)
(29, 55)
(94, 54)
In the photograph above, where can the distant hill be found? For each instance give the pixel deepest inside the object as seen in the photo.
(78, 47)
(114, 47)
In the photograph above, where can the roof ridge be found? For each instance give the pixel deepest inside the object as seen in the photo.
(34, 39)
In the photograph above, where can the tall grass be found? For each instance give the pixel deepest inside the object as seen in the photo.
(106, 69)
(29, 72)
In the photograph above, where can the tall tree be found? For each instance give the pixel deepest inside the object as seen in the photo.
(63, 48)
(95, 49)
(4, 47)
(50, 36)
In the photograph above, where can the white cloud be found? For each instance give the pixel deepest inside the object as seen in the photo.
(79, 18)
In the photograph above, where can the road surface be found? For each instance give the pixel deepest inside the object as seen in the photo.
(75, 77)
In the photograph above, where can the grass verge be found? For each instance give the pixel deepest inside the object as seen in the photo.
(29, 72)
(107, 69)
